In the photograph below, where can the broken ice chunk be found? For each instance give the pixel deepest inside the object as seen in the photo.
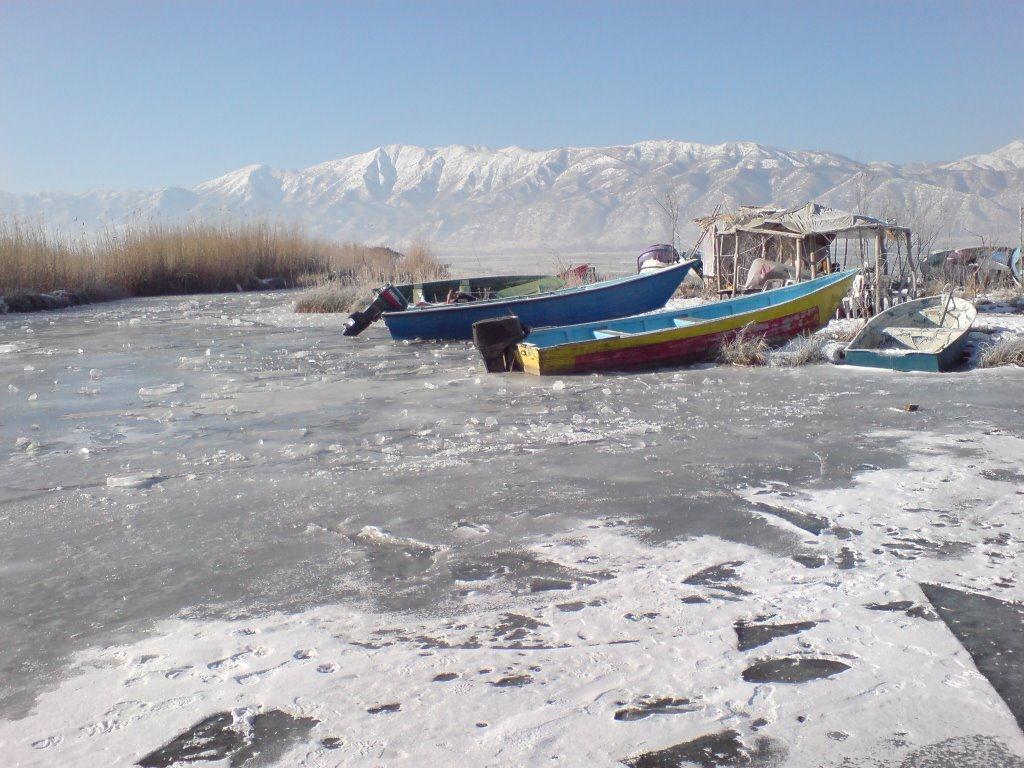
(134, 480)
(160, 391)
(28, 445)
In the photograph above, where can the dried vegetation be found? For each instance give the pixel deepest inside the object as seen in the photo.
(156, 259)
(747, 348)
(1007, 350)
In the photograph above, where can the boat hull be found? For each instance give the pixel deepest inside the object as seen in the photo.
(598, 301)
(908, 362)
(888, 339)
(694, 343)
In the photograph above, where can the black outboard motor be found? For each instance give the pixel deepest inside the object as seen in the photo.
(388, 299)
(496, 341)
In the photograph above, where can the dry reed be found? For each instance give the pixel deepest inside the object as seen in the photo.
(334, 296)
(356, 270)
(1007, 350)
(747, 348)
(157, 259)
(802, 350)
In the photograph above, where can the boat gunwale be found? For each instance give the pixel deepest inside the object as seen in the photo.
(838, 278)
(604, 285)
(441, 281)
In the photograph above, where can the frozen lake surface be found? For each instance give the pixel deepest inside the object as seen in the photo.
(230, 536)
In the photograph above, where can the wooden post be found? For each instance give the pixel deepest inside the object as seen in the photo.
(879, 248)
(799, 257)
(814, 261)
(718, 261)
(913, 268)
(736, 264)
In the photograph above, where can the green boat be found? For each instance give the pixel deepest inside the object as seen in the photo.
(495, 287)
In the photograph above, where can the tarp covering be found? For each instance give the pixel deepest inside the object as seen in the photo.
(763, 270)
(810, 219)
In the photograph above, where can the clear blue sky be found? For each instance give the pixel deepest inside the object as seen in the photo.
(143, 94)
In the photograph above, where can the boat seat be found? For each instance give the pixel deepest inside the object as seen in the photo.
(608, 333)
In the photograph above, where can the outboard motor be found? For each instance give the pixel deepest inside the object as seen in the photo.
(496, 341)
(388, 299)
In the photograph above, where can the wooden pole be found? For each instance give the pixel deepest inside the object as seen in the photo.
(798, 260)
(736, 265)
(913, 266)
(879, 240)
(718, 262)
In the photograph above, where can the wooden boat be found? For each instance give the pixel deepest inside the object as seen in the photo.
(398, 297)
(684, 336)
(597, 301)
(927, 334)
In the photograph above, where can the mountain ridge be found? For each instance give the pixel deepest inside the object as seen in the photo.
(473, 199)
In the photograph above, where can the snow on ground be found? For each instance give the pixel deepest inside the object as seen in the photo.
(227, 532)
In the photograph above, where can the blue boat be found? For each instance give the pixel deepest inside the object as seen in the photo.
(927, 334)
(609, 299)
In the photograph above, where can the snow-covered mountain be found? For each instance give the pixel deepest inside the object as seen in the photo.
(465, 199)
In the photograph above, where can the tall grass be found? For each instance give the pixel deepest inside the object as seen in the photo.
(31, 260)
(746, 348)
(804, 349)
(334, 296)
(1007, 350)
(156, 259)
(356, 270)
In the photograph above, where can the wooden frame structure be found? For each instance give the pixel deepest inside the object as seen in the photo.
(804, 243)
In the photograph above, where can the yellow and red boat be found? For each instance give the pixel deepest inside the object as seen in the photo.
(683, 336)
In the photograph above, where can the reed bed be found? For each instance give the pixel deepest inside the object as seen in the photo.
(334, 296)
(158, 259)
(356, 270)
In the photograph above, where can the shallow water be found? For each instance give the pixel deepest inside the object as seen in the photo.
(208, 466)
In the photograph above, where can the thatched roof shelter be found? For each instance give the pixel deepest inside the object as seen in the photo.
(803, 242)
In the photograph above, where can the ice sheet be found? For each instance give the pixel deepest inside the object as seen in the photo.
(328, 538)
